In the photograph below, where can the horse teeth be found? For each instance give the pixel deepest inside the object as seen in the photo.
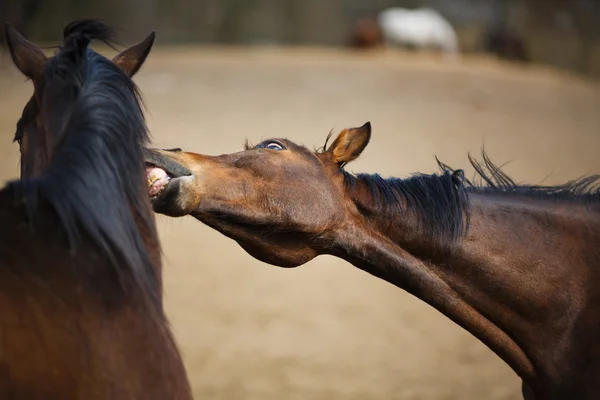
(163, 187)
(152, 177)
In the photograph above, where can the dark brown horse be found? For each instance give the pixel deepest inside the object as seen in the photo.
(366, 34)
(81, 313)
(506, 45)
(517, 266)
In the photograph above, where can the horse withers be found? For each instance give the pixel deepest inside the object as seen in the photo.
(81, 313)
(516, 266)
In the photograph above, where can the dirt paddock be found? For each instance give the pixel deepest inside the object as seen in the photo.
(327, 330)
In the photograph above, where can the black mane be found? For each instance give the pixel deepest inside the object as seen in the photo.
(494, 180)
(94, 186)
(441, 202)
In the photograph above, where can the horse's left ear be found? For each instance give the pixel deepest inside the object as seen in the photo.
(350, 143)
(130, 60)
(28, 58)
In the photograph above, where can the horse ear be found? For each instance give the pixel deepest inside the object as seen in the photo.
(130, 60)
(28, 58)
(350, 143)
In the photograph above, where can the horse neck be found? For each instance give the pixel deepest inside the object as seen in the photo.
(498, 282)
(69, 334)
(146, 224)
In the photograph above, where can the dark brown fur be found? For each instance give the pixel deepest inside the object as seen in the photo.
(517, 266)
(366, 34)
(506, 45)
(81, 313)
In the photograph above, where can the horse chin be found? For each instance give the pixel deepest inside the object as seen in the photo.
(167, 201)
(164, 178)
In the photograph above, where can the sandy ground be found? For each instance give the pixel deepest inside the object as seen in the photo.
(327, 330)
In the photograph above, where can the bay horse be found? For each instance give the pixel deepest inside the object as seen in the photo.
(516, 266)
(81, 310)
(366, 34)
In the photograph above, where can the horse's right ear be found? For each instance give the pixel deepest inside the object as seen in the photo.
(130, 60)
(350, 143)
(28, 58)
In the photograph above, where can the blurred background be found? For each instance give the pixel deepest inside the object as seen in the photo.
(518, 76)
(563, 33)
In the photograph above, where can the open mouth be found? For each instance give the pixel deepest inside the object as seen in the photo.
(157, 180)
(160, 171)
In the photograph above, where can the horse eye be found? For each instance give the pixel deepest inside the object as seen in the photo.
(274, 146)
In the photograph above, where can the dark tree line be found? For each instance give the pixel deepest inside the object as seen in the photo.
(565, 33)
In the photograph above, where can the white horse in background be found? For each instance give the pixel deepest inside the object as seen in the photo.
(421, 28)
